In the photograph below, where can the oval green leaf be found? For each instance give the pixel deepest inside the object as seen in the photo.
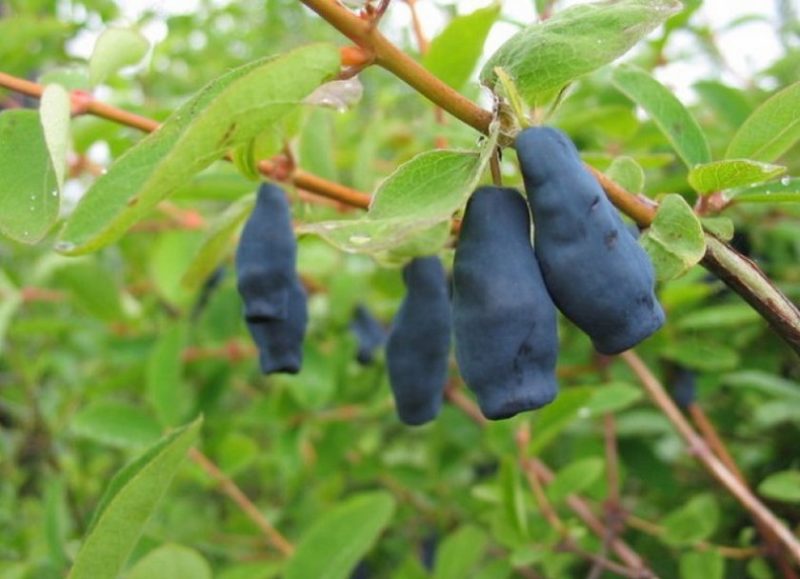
(782, 486)
(787, 190)
(454, 53)
(772, 128)
(668, 113)
(29, 199)
(544, 57)
(675, 239)
(336, 542)
(115, 48)
(721, 175)
(169, 562)
(127, 504)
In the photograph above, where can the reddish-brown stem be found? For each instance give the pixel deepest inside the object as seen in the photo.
(232, 491)
(700, 449)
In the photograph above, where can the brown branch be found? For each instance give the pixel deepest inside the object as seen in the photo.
(741, 275)
(232, 491)
(722, 260)
(700, 449)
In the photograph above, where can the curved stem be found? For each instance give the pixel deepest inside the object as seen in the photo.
(721, 259)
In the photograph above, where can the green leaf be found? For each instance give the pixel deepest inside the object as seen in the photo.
(231, 110)
(418, 196)
(787, 190)
(668, 113)
(728, 103)
(613, 397)
(554, 418)
(693, 522)
(116, 424)
(336, 542)
(217, 241)
(460, 553)
(721, 175)
(675, 239)
(702, 565)
(544, 57)
(170, 562)
(92, 288)
(115, 48)
(575, 477)
(130, 499)
(722, 227)
(723, 316)
(453, 54)
(771, 130)
(513, 499)
(29, 198)
(764, 382)
(54, 113)
(701, 354)
(628, 173)
(782, 486)
(166, 390)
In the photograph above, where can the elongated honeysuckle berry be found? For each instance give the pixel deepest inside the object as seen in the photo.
(369, 332)
(419, 342)
(596, 272)
(275, 303)
(504, 322)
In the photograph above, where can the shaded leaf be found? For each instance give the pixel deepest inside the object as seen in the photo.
(545, 56)
(459, 553)
(782, 486)
(127, 504)
(575, 477)
(613, 397)
(702, 565)
(513, 499)
(170, 562)
(554, 418)
(723, 316)
(29, 197)
(217, 240)
(695, 521)
(771, 130)
(332, 547)
(116, 424)
(166, 390)
(668, 113)
(675, 239)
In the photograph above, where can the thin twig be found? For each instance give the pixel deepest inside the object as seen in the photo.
(567, 542)
(232, 491)
(700, 449)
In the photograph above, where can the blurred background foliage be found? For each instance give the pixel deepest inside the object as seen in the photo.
(99, 355)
